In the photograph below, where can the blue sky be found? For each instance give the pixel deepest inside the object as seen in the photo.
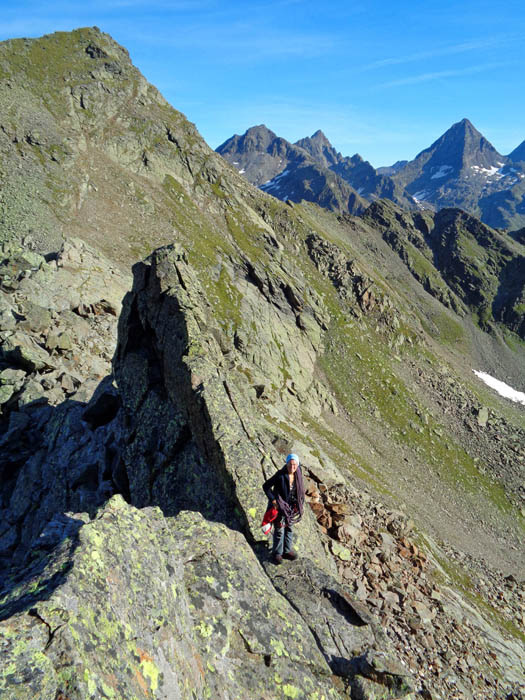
(380, 79)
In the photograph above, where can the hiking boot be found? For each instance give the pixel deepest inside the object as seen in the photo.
(290, 555)
(277, 559)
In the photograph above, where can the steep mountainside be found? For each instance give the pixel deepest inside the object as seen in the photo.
(287, 171)
(462, 169)
(260, 155)
(465, 264)
(304, 170)
(518, 154)
(130, 496)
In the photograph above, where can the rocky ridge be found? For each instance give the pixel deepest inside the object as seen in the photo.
(311, 169)
(462, 262)
(262, 328)
(60, 319)
(359, 535)
(461, 169)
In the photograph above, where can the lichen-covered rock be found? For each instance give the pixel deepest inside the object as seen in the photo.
(347, 634)
(135, 605)
(188, 417)
(264, 329)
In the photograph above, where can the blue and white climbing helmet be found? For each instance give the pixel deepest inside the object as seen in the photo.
(293, 456)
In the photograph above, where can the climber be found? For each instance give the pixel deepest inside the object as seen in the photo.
(285, 491)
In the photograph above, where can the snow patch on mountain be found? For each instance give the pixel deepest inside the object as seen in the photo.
(502, 388)
(486, 171)
(443, 171)
(273, 184)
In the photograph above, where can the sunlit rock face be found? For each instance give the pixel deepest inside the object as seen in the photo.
(132, 457)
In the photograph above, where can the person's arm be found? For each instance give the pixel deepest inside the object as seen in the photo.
(268, 488)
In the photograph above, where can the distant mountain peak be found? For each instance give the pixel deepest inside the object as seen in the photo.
(461, 146)
(320, 148)
(462, 128)
(320, 137)
(518, 154)
(464, 122)
(260, 131)
(258, 128)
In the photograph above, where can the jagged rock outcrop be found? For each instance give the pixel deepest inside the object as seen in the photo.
(311, 170)
(59, 321)
(188, 393)
(136, 605)
(131, 498)
(459, 260)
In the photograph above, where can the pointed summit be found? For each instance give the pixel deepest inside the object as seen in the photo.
(259, 154)
(320, 148)
(462, 146)
(256, 138)
(320, 137)
(461, 169)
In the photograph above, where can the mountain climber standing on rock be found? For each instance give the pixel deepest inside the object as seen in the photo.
(285, 491)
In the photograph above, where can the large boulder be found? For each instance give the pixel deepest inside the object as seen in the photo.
(136, 605)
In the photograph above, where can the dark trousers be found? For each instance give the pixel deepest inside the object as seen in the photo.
(282, 539)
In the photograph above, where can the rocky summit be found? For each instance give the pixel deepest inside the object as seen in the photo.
(311, 169)
(460, 169)
(169, 333)
(463, 169)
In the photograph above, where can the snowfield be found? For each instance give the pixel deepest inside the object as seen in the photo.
(502, 388)
(273, 184)
(443, 171)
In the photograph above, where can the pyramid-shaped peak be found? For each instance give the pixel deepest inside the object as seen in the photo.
(320, 148)
(462, 145)
(465, 125)
(320, 137)
(256, 138)
(259, 128)
(260, 132)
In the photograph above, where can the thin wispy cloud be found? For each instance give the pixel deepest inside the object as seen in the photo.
(295, 119)
(437, 52)
(171, 5)
(300, 65)
(245, 43)
(439, 75)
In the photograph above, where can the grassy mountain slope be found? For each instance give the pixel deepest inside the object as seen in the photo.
(265, 327)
